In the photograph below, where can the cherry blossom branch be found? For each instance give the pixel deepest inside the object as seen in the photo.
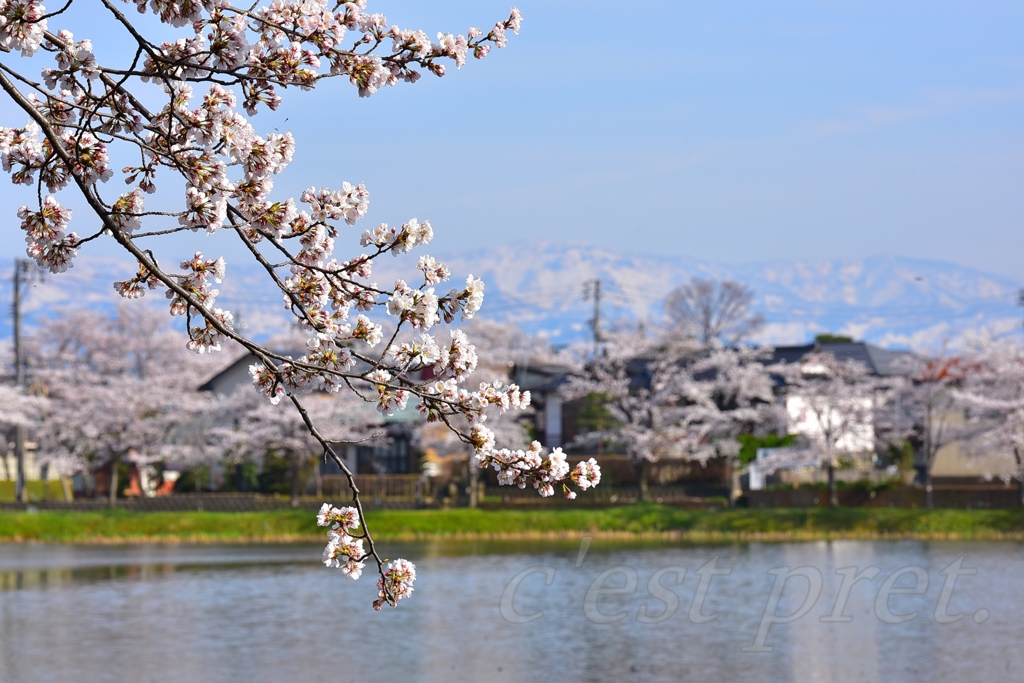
(87, 108)
(356, 501)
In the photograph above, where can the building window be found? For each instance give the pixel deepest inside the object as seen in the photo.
(390, 459)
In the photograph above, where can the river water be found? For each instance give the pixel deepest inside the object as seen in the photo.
(485, 612)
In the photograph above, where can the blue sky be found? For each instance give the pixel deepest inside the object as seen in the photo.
(733, 132)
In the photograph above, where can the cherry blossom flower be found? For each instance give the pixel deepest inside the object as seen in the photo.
(395, 583)
(135, 287)
(22, 26)
(126, 211)
(433, 271)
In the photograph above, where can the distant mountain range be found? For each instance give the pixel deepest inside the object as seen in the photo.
(888, 300)
(891, 301)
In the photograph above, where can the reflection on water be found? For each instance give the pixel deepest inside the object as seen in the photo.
(40, 566)
(272, 613)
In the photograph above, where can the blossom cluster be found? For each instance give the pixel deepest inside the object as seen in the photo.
(346, 553)
(48, 244)
(194, 289)
(25, 152)
(342, 551)
(280, 45)
(287, 43)
(389, 399)
(529, 467)
(22, 25)
(136, 286)
(444, 398)
(395, 583)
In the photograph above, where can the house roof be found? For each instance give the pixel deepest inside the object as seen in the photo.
(244, 361)
(409, 415)
(882, 362)
(211, 383)
(540, 378)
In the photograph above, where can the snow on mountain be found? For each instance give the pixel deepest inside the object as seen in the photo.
(888, 300)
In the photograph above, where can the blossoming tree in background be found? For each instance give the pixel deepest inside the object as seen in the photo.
(732, 393)
(637, 379)
(929, 411)
(669, 397)
(991, 391)
(116, 387)
(832, 403)
(181, 110)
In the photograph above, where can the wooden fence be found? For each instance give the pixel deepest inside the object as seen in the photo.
(696, 497)
(970, 497)
(380, 486)
(372, 498)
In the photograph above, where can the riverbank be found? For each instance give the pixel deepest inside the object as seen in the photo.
(634, 521)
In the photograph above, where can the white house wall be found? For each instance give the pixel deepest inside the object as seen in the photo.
(552, 420)
(9, 465)
(804, 421)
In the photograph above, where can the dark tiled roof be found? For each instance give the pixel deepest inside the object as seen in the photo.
(881, 361)
(539, 378)
(246, 359)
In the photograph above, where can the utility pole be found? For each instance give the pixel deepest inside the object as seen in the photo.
(1020, 300)
(592, 288)
(21, 269)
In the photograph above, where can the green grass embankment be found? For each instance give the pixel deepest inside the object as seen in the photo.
(627, 522)
(122, 526)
